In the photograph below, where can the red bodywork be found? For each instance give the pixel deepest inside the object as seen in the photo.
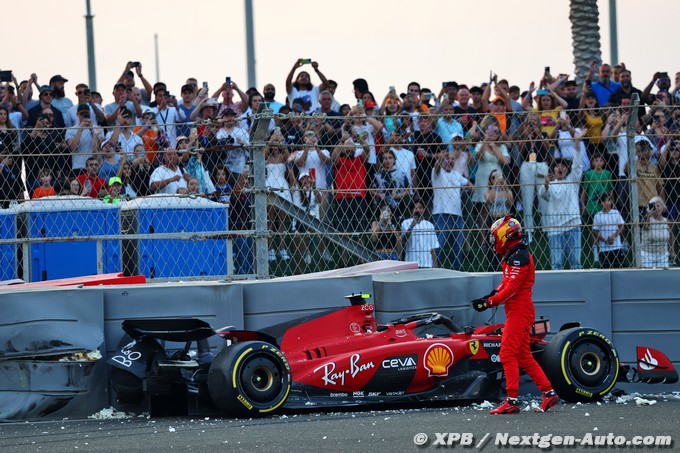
(346, 354)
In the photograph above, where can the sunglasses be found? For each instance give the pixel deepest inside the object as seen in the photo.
(46, 93)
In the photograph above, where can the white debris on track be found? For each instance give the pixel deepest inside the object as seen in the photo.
(109, 413)
(644, 402)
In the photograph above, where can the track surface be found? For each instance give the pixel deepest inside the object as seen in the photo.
(389, 430)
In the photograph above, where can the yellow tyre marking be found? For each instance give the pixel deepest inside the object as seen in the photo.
(233, 375)
(564, 370)
(283, 400)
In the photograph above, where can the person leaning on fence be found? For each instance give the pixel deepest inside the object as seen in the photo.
(537, 159)
(350, 205)
(168, 178)
(562, 214)
(385, 235)
(234, 142)
(390, 185)
(669, 165)
(607, 229)
(419, 239)
(307, 197)
(649, 183)
(279, 179)
(657, 241)
(447, 210)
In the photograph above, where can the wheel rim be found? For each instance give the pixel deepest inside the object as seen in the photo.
(261, 379)
(590, 364)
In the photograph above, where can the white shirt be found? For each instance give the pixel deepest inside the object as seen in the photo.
(161, 173)
(236, 158)
(447, 188)
(167, 119)
(607, 223)
(406, 162)
(315, 162)
(313, 97)
(421, 243)
(127, 144)
(562, 211)
(84, 150)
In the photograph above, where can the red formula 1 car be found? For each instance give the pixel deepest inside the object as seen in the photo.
(345, 357)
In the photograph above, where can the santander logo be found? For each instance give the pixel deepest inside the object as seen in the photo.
(648, 362)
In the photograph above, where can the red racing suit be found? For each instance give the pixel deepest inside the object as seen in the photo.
(515, 292)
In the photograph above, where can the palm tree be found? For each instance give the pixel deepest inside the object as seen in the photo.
(585, 35)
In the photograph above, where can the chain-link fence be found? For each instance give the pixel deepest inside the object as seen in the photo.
(287, 193)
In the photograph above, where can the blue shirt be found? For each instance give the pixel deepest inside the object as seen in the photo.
(603, 92)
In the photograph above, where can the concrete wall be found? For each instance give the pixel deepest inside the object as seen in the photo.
(632, 307)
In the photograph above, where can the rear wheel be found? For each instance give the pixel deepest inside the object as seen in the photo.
(582, 364)
(250, 379)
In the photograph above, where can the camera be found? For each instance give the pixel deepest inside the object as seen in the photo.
(134, 64)
(547, 69)
(228, 80)
(5, 76)
(651, 206)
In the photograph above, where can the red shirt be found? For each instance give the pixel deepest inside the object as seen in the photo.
(97, 184)
(350, 178)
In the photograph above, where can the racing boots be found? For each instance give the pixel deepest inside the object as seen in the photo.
(550, 399)
(509, 406)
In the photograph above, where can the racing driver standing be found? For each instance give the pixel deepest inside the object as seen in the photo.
(515, 292)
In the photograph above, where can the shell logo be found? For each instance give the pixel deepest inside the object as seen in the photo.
(438, 359)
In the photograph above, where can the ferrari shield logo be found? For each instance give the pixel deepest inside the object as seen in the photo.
(474, 347)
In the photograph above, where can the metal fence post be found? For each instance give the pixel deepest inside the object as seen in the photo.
(260, 127)
(632, 177)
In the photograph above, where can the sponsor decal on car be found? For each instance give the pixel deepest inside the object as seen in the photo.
(648, 362)
(401, 362)
(332, 377)
(400, 332)
(355, 328)
(496, 344)
(474, 347)
(437, 360)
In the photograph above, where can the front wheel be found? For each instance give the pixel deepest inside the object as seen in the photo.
(582, 364)
(249, 379)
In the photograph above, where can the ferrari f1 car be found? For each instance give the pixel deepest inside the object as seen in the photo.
(345, 357)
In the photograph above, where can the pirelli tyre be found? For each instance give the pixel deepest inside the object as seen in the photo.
(582, 364)
(249, 379)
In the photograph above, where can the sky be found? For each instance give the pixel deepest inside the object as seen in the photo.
(386, 42)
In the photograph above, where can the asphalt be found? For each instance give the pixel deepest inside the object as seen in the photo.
(351, 431)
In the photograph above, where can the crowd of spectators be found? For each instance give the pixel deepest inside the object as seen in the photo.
(462, 156)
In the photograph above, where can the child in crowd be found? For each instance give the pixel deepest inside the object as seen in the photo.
(45, 189)
(607, 228)
(596, 181)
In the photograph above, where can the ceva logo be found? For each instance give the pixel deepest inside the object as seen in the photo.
(438, 358)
